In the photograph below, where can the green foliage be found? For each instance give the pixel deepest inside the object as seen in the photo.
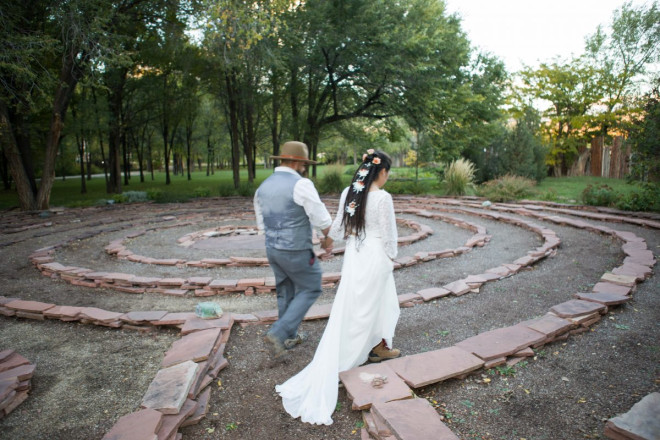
(408, 187)
(644, 137)
(246, 189)
(599, 195)
(332, 181)
(135, 196)
(507, 188)
(459, 177)
(154, 194)
(645, 199)
(202, 191)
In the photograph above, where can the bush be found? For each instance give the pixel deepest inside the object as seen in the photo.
(154, 194)
(458, 177)
(227, 191)
(407, 187)
(246, 189)
(600, 195)
(202, 191)
(135, 196)
(648, 199)
(507, 188)
(332, 181)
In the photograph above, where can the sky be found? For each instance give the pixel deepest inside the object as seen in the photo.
(528, 31)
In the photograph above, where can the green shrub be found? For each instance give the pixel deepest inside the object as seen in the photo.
(227, 190)
(246, 189)
(550, 195)
(458, 177)
(135, 196)
(119, 198)
(600, 195)
(407, 187)
(332, 181)
(507, 188)
(647, 199)
(202, 191)
(154, 194)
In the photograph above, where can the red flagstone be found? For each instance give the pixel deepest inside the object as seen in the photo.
(169, 390)
(248, 317)
(4, 354)
(177, 318)
(432, 293)
(501, 342)
(549, 324)
(196, 324)
(200, 281)
(222, 284)
(413, 419)
(429, 367)
(21, 373)
(141, 317)
(331, 277)
(640, 422)
(318, 311)
(140, 425)
(576, 307)
(167, 261)
(409, 297)
(608, 299)
(200, 412)
(611, 288)
(358, 385)
(172, 423)
(250, 282)
(639, 271)
(458, 287)
(196, 347)
(29, 306)
(621, 280)
(13, 361)
(267, 315)
(640, 257)
(96, 314)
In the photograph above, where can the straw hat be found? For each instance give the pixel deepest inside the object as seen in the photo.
(296, 151)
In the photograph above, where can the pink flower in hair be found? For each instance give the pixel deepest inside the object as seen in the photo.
(370, 151)
(376, 160)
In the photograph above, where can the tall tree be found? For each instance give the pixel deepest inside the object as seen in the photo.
(571, 90)
(367, 59)
(621, 56)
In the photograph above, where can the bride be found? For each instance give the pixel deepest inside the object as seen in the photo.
(366, 308)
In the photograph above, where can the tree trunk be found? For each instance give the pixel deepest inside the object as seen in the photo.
(233, 129)
(115, 98)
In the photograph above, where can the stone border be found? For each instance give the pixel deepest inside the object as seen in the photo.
(505, 345)
(15, 380)
(207, 286)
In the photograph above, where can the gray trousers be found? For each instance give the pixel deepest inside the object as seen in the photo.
(298, 283)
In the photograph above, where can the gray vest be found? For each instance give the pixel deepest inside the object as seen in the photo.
(287, 225)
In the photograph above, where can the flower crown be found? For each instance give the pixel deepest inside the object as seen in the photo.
(358, 185)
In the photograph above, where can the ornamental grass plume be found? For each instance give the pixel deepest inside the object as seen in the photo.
(459, 177)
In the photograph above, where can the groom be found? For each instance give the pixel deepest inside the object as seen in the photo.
(287, 206)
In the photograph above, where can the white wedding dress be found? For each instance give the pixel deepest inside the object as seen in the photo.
(365, 311)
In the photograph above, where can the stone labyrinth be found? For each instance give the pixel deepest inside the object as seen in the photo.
(143, 268)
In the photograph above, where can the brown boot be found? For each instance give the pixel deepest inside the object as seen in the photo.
(380, 353)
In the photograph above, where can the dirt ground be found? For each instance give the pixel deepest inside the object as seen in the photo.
(89, 376)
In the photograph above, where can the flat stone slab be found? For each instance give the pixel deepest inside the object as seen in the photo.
(458, 288)
(621, 280)
(358, 383)
(147, 316)
(235, 242)
(169, 390)
(608, 299)
(413, 419)
(196, 324)
(172, 422)
(611, 288)
(426, 368)
(641, 422)
(501, 342)
(196, 346)
(433, 293)
(576, 307)
(140, 425)
(318, 311)
(176, 318)
(29, 306)
(549, 324)
(96, 314)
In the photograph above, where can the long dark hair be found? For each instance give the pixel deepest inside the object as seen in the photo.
(356, 199)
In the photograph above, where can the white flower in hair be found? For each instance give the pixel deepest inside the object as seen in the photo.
(358, 186)
(351, 208)
(370, 151)
(362, 172)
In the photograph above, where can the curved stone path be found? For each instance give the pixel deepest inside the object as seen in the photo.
(196, 359)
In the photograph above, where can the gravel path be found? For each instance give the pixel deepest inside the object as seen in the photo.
(87, 376)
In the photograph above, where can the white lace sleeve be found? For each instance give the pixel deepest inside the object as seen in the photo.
(337, 229)
(387, 225)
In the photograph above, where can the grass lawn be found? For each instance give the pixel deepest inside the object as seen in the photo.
(569, 189)
(67, 192)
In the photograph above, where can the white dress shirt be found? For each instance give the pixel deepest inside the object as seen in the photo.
(305, 195)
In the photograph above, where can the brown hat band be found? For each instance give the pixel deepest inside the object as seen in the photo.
(289, 156)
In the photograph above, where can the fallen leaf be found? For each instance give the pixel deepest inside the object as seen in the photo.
(527, 391)
(486, 380)
(210, 430)
(582, 400)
